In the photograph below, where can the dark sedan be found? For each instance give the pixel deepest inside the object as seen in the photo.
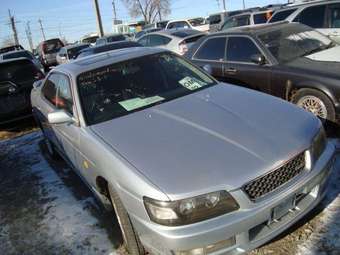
(16, 82)
(291, 61)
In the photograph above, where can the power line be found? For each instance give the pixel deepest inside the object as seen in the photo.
(42, 29)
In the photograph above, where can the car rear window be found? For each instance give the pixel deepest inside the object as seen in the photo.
(73, 52)
(52, 46)
(281, 15)
(215, 19)
(17, 54)
(18, 71)
(193, 39)
(121, 88)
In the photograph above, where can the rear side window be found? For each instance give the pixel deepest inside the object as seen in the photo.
(281, 15)
(262, 17)
(241, 49)
(212, 49)
(214, 19)
(49, 90)
(334, 16)
(144, 41)
(312, 16)
(157, 40)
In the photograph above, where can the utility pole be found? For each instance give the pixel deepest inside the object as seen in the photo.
(29, 35)
(244, 4)
(224, 7)
(114, 10)
(14, 29)
(99, 19)
(42, 29)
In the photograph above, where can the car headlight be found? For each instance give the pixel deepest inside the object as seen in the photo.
(319, 144)
(191, 210)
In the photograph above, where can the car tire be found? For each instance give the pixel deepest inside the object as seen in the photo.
(49, 145)
(316, 102)
(131, 240)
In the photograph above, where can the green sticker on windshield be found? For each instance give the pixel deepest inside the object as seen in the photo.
(191, 83)
(136, 103)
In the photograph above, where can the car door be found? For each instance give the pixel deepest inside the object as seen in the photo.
(211, 56)
(333, 22)
(68, 133)
(239, 68)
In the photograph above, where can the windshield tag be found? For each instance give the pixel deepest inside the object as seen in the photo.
(191, 83)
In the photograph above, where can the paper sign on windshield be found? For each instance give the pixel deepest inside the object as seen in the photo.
(137, 102)
(191, 83)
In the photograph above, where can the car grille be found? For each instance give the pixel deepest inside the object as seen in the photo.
(271, 181)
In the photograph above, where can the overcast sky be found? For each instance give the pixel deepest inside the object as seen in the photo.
(75, 18)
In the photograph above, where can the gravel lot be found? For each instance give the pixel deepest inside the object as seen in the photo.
(46, 209)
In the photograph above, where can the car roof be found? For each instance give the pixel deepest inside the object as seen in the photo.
(180, 33)
(71, 46)
(259, 29)
(92, 62)
(305, 4)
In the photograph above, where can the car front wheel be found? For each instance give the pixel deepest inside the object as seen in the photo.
(315, 102)
(130, 237)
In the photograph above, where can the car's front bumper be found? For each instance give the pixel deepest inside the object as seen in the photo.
(249, 227)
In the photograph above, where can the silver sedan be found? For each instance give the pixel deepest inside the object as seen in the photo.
(190, 165)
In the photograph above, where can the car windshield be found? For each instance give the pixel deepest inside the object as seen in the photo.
(294, 42)
(18, 54)
(197, 22)
(122, 88)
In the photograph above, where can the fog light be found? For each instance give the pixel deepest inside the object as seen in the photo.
(210, 248)
(198, 251)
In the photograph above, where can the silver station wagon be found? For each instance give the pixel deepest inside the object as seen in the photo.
(191, 166)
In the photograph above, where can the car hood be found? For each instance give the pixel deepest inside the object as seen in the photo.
(217, 138)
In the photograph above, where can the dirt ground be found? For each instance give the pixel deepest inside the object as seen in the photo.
(46, 209)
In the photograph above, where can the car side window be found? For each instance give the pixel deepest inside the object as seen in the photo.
(64, 99)
(144, 41)
(49, 90)
(313, 16)
(334, 16)
(158, 40)
(212, 49)
(237, 22)
(241, 49)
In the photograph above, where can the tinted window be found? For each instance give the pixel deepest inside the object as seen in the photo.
(157, 40)
(281, 15)
(334, 16)
(64, 99)
(73, 52)
(294, 41)
(116, 38)
(19, 54)
(240, 49)
(100, 41)
(214, 19)
(262, 17)
(52, 46)
(236, 22)
(312, 16)
(212, 49)
(121, 88)
(144, 41)
(49, 90)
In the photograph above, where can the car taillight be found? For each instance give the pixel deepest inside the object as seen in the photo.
(183, 48)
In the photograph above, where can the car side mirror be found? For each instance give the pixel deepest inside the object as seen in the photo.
(258, 59)
(208, 69)
(59, 117)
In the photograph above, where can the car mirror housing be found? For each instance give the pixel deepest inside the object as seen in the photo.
(59, 117)
(258, 59)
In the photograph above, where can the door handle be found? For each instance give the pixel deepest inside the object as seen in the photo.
(231, 70)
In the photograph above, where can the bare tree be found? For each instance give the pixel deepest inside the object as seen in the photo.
(150, 10)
